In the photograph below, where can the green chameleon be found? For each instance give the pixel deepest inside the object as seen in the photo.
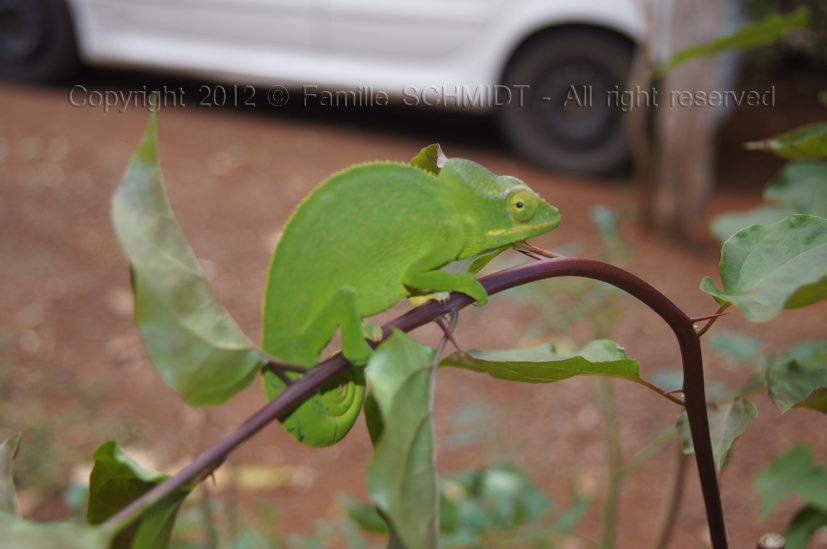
(365, 239)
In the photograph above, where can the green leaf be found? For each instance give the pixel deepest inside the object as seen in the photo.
(373, 419)
(805, 143)
(767, 268)
(738, 346)
(803, 525)
(542, 364)
(792, 473)
(196, 346)
(727, 422)
(798, 377)
(22, 534)
(800, 187)
(402, 478)
(116, 481)
(364, 515)
(753, 35)
(8, 494)
(725, 225)
(430, 159)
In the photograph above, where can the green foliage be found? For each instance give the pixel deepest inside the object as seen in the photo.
(116, 481)
(805, 143)
(803, 525)
(798, 377)
(190, 337)
(735, 345)
(800, 187)
(493, 506)
(727, 224)
(792, 473)
(727, 422)
(16, 533)
(402, 478)
(496, 499)
(767, 268)
(753, 35)
(542, 364)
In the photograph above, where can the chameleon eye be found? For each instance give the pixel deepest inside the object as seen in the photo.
(522, 205)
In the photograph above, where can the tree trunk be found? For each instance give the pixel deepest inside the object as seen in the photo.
(675, 167)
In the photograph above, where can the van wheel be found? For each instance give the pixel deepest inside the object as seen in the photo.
(566, 119)
(37, 40)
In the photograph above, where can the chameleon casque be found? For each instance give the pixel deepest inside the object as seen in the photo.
(364, 240)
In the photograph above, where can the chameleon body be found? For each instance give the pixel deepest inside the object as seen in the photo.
(361, 242)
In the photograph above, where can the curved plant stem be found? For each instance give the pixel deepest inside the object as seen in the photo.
(328, 370)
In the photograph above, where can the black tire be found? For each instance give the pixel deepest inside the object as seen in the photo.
(37, 41)
(590, 140)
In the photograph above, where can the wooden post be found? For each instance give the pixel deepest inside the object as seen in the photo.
(675, 168)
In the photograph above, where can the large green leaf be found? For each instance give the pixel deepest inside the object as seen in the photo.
(792, 473)
(800, 187)
(116, 481)
(753, 35)
(727, 422)
(402, 478)
(798, 377)
(767, 268)
(805, 143)
(542, 364)
(196, 346)
(803, 525)
(8, 494)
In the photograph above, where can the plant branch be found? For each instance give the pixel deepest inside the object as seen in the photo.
(673, 505)
(611, 427)
(649, 451)
(305, 386)
(718, 314)
(658, 390)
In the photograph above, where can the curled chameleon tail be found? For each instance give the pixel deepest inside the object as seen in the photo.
(327, 417)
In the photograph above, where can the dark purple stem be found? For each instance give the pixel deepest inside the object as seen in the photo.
(326, 371)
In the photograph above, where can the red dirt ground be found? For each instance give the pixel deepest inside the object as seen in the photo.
(72, 372)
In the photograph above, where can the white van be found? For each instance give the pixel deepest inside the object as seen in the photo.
(526, 61)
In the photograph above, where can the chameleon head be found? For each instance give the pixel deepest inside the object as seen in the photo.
(498, 210)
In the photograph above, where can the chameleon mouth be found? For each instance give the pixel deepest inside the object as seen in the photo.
(524, 228)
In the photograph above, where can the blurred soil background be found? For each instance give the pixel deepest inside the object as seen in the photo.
(73, 372)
